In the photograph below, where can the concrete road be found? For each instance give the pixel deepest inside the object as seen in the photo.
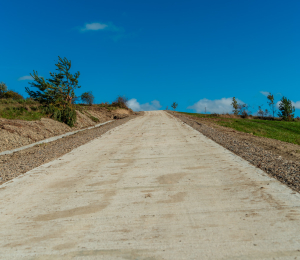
(151, 189)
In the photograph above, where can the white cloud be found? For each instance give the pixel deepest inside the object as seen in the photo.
(100, 27)
(296, 104)
(265, 93)
(26, 78)
(218, 106)
(94, 27)
(136, 106)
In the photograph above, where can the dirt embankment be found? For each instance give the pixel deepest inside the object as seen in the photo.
(17, 133)
(278, 159)
(13, 165)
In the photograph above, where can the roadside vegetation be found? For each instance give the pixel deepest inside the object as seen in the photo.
(287, 131)
(24, 109)
(285, 127)
(54, 97)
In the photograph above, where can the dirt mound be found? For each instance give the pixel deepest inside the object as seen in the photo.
(16, 133)
(120, 113)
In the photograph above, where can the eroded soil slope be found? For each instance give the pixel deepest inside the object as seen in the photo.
(17, 133)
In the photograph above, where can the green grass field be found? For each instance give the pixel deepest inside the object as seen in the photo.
(280, 130)
(201, 115)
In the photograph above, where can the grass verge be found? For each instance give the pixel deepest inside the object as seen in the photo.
(22, 113)
(279, 130)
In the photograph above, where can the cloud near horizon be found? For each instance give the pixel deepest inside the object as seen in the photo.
(26, 78)
(100, 27)
(218, 106)
(136, 106)
(265, 93)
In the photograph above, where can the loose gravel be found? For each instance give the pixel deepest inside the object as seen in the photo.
(286, 171)
(18, 163)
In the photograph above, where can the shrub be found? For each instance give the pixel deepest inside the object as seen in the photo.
(120, 102)
(87, 97)
(65, 115)
(94, 119)
(3, 89)
(13, 95)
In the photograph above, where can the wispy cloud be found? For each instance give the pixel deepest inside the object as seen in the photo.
(136, 106)
(219, 106)
(26, 78)
(101, 27)
(94, 27)
(265, 93)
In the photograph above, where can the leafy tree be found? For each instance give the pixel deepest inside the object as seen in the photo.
(59, 89)
(57, 92)
(87, 97)
(271, 103)
(174, 105)
(286, 109)
(3, 89)
(121, 102)
(235, 106)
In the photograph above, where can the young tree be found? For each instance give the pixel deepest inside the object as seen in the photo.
(243, 110)
(174, 105)
(3, 89)
(260, 112)
(271, 103)
(266, 113)
(57, 92)
(87, 97)
(235, 106)
(59, 89)
(286, 109)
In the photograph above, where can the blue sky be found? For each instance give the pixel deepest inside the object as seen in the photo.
(197, 53)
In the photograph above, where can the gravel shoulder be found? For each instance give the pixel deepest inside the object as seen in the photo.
(18, 163)
(278, 159)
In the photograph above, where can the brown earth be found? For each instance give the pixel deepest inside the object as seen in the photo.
(17, 133)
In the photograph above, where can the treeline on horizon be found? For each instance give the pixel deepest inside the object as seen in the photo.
(286, 109)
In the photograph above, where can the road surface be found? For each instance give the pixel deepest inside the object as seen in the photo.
(151, 189)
